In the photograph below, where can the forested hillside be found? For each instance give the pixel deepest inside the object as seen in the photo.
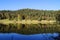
(29, 14)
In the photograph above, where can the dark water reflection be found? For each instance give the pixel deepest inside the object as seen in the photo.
(14, 36)
(28, 28)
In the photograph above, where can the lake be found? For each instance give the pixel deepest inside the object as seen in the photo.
(35, 31)
(15, 36)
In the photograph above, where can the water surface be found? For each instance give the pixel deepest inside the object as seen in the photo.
(14, 36)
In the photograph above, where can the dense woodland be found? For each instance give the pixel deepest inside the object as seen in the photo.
(30, 14)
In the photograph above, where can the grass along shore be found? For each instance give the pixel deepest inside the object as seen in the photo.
(6, 21)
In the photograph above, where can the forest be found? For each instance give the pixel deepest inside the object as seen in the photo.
(49, 21)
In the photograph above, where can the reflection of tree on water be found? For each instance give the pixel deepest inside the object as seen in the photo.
(12, 28)
(23, 25)
(3, 28)
(8, 28)
(28, 29)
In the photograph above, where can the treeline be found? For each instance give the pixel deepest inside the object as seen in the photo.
(29, 14)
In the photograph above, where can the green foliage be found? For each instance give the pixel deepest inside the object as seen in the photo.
(28, 14)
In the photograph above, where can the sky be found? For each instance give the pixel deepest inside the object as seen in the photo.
(31, 4)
